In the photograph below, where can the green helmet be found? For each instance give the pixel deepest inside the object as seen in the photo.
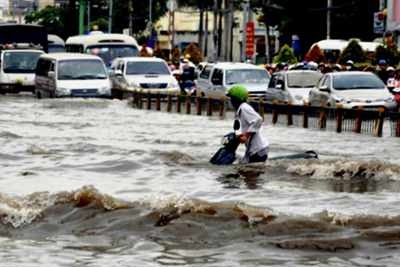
(239, 92)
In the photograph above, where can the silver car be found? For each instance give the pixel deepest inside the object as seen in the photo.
(352, 89)
(215, 80)
(292, 86)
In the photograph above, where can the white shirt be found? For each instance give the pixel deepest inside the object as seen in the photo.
(251, 121)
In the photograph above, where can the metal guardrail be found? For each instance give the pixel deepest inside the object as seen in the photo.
(370, 122)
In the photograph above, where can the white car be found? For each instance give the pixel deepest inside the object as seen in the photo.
(292, 86)
(71, 75)
(142, 73)
(351, 90)
(215, 80)
(17, 72)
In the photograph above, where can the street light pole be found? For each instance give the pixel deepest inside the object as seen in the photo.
(110, 15)
(150, 14)
(328, 20)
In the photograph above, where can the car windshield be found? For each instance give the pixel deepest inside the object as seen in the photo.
(246, 76)
(354, 82)
(20, 62)
(109, 52)
(303, 79)
(143, 68)
(81, 69)
(54, 48)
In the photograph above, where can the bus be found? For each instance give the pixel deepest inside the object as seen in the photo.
(55, 44)
(108, 46)
(23, 36)
(21, 45)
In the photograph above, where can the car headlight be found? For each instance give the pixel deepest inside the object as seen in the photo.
(339, 99)
(389, 99)
(62, 91)
(134, 85)
(104, 88)
(174, 85)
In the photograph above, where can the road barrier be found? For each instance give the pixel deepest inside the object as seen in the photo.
(340, 120)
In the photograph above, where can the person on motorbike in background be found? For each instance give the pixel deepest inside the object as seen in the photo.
(250, 125)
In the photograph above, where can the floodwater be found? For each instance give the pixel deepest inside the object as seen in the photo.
(90, 182)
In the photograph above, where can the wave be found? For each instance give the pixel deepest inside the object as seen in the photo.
(340, 169)
(194, 222)
(9, 135)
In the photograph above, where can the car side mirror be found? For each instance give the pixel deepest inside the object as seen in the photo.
(51, 74)
(118, 72)
(325, 89)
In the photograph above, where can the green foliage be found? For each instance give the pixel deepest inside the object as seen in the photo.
(390, 54)
(140, 14)
(52, 18)
(285, 55)
(353, 52)
(100, 23)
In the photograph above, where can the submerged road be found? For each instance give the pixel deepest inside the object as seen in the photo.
(91, 182)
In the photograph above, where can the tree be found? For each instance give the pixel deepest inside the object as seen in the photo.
(52, 18)
(194, 52)
(353, 52)
(285, 55)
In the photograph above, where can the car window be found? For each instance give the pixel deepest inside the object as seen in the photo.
(217, 77)
(43, 67)
(357, 81)
(147, 68)
(327, 82)
(246, 76)
(205, 74)
(302, 79)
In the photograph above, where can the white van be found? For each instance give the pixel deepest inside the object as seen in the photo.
(71, 75)
(17, 70)
(108, 46)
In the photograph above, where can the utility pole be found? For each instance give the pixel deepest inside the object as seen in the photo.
(130, 18)
(328, 20)
(88, 16)
(246, 8)
(110, 15)
(215, 31)
(150, 15)
(82, 16)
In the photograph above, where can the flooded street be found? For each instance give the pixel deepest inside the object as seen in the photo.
(92, 182)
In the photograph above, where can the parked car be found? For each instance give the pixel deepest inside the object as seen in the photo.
(216, 79)
(71, 75)
(17, 70)
(352, 89)
(292, 86)
(142, 73)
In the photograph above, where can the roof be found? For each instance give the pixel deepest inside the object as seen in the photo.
(141, 59)
(63, 56)
(332, 44)
(105, 38)
(236, 65)
(341, 44)
(23, 50)
(348, 73)
(54, 39)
